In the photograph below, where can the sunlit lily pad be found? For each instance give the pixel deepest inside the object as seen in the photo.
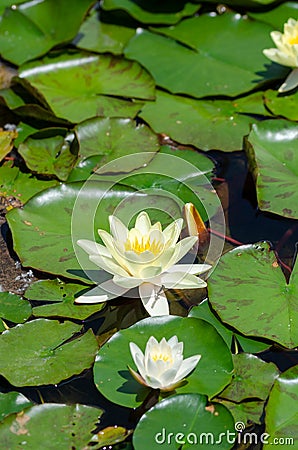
(13, 308)
(36, 353)
(98, 36)
(21, 185)
(248, 291)
(213, 371)
(272, 150)
(78, 85)
(50, 425)
(282, 408)
(12, 402)
(50, 152)
(200, 64)
(252, 378)
(110, 436)
(166, 12)
(206, 124)
(31, 29)
(61, 298)
(203, 311)
(185, 420)
(282, 105)
(6, 142)
(113, 138)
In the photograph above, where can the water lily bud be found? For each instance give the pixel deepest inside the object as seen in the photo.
(194, 224)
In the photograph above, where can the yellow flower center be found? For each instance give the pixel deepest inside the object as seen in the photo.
(140, 246)
(293, 40)
(162, 357)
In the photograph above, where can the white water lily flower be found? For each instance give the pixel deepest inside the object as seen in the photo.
(162, 366)
(286, 52)
(144, 257)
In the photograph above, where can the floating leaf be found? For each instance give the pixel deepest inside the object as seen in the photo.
(276, 17)
(61, 297)
(79, 85)
(113, 379)
(50, 425)
(184, 420)
(282, 105)
(50, 152)
(199, 64)
(12, 402)
(113, 138)
(98, 36)
(203, 311)
(206, 124)
(241, 286)
(252, 378)
(110, 436)
(13, 308)
(245, 412)
(31, 29)
(36, 353)
(19, 184)
(272, 150)
(281, 411)
(155, 12)
(6, 142)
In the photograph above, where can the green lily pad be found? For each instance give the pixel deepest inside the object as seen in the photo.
(19, 184)
(61, 297)
(239, 289)
(203, 311)
(272, 151)
(113, 138)
(276, 17)
(191, 59)
(52, 151)
(213, 371)
(79, 85)
(245, 412)
(184, 421)
(252, 378)
(98, 36)
(282, 105)
(110, 436)
(282, 411)
(206, 124)
(154, 12)
(46, 230)
(36, 353)
(13, 308)
(31, 29)
(6, 142)
(12, 402)
(50, 425)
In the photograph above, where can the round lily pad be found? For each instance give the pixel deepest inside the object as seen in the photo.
(14, 308)
(212, 373)
(50, 426)
(37, 353)
(248, 291)
(184, 421)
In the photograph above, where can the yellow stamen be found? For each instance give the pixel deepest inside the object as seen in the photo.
(162, 357)
(293, 40)
(143, 245)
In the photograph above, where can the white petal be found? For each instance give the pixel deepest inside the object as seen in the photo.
(153, 382)
(113, 249)
(139, 258)
(290, 83)
(93, 248)
(108, 264)
(187, 366)
(143, 222)
(180, 280)
(173, 341)
(193, 269)
(150, 272)
(127, 282)
(181, 248)
(102, 293)
(138, 357)
(171, 232)
(154, 299)
(118, 229)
